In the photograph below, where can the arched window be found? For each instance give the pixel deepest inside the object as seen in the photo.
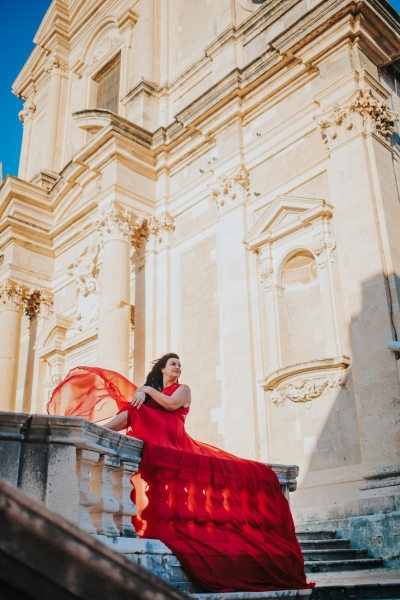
(302, 314)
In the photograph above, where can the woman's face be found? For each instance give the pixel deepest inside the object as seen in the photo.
(172, 369)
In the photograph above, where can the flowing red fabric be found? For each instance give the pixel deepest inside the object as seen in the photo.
(225, 518)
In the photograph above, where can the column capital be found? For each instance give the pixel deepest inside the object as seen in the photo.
(232, 188)
(117, 222)
(161, 231)
(38, 303)
(323, 245)
(13, 296)
(27, 111)
(362, 113)
(55, 65)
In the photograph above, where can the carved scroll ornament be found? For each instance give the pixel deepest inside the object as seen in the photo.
(305, 390)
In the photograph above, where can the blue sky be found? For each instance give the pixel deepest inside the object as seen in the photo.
(18, 25)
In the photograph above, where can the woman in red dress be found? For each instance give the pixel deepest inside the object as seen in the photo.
(225, 518)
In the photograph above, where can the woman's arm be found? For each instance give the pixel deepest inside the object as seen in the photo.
(181, 397)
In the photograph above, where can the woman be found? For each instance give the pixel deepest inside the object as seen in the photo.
(225, 518)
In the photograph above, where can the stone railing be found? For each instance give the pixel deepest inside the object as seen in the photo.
(82, 471)
(77, 469)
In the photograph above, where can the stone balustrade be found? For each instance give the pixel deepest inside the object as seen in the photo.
(77, 469)
(82, 471)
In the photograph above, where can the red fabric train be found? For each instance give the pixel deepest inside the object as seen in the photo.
(224, 517)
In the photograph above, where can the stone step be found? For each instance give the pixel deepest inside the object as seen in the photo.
(375, 584)
(315, 535)
(325, 544)
(325, 566)
(282, 594)
(332, 554)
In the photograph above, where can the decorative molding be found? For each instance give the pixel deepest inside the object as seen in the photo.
(305, 381)
(116, 223)
(84, 270)
(323, 245)
(56, 66)
(266, 270)
(53, 380)
(161, 231)
(38, 304)
(27, 111)
(363, 113)
(234, 187)
(140, 233)
(13, 296)
(93, 188)
(286, 215)
(308, 389)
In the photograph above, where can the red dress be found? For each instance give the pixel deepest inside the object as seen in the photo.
(225, 518)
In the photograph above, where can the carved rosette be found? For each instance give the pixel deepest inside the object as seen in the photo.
(161, 231)
(232, 188)
(27, 111)
(13, 296)
(362, 114)
(307, 389)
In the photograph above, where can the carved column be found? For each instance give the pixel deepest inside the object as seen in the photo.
(152, 317)
(12, 298)
(38, 307)
(49, 145)
(367, 221)
(26, 118)
(118, 227)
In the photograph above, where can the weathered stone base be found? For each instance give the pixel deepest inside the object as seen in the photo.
(379, 533)
(154, 556)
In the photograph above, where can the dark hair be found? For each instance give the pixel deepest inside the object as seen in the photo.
(154, 379)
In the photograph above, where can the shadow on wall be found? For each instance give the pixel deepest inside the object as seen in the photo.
(344, 439)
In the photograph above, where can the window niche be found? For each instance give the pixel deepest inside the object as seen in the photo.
(300, 328)
(107, 85)
(302, 313)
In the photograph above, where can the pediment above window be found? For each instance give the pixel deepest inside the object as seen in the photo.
(285, 215)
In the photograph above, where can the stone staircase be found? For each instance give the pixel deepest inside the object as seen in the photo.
(344, 572)
(323, 552)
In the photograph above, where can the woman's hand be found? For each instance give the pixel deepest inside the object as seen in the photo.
(143, 388)
(138, 398)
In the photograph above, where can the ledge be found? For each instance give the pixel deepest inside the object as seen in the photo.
(95, 119)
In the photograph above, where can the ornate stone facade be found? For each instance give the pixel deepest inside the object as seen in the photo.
(238, 204)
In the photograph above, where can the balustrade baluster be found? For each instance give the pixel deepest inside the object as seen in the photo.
(101, 485)
(122, 490)
(85, 461)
